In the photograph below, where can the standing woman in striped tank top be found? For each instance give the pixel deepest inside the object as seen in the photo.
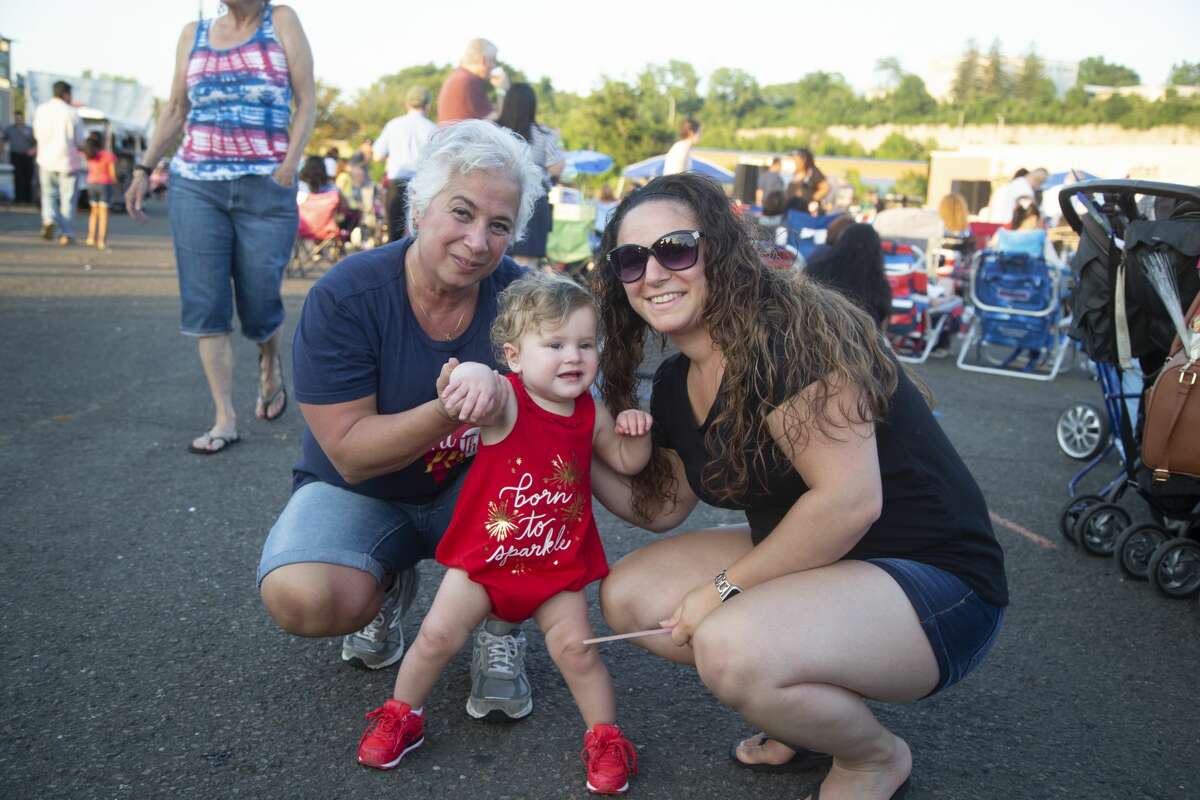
(232, 199)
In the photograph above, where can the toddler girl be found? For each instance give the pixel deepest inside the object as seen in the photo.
(523, 542)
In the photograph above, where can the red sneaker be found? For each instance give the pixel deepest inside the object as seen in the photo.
(610, 759)
(394, 732)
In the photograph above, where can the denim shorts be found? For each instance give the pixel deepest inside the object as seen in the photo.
(329, 525)
(100, 194)
(233, 240)
(960, 626)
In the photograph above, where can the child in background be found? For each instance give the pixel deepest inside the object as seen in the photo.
(101, 177)
(523, 542)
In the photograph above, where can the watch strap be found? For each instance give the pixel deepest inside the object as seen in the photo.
(724, 588)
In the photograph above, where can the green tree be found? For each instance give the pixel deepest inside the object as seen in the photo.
(912, 184)
(614, 120)
(995, 80)
(1185, 74)
(678, 81)
(374, 106)
(1031, 84)
(911, 101)
(891, 70)
(1095, 71)
(332, 120)
(967, 84)
(732, 94)
(824, 98)
(898, 147)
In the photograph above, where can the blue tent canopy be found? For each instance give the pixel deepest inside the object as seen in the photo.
(653, 167)
(588, 162)
(1066, 178)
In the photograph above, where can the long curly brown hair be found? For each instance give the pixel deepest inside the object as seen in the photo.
(778, 332)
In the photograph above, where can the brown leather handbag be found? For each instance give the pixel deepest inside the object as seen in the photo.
(1171, 436)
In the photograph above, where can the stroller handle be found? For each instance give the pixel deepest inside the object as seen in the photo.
(1125, 190)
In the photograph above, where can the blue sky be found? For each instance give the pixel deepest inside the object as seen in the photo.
(576, 43)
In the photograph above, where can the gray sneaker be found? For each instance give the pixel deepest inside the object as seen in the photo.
(499, 688)
(381, 643)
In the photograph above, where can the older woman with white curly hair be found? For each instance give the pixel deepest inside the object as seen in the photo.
(381, 460)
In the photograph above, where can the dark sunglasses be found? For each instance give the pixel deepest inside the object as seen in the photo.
(676, 251)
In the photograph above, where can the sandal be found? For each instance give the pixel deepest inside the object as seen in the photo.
(266, 402)
(805, 760)
(226, 443)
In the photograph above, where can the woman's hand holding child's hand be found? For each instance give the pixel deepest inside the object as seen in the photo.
(471, 393)
(634, 422)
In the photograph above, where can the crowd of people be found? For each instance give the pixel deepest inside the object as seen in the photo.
(447, 395)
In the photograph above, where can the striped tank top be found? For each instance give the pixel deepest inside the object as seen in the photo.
(241, 100)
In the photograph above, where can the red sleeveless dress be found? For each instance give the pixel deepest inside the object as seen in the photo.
(523, 527)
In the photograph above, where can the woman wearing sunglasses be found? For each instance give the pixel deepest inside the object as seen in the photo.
(867, 567)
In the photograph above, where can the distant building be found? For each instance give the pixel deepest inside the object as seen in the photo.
(940, 75)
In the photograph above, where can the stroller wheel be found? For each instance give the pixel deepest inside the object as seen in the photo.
(1073, 510)
(1135, 545)
(1175, 567)
(1082, 431)
(1097, 528)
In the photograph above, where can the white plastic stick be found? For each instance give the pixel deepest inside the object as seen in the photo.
(618, 636)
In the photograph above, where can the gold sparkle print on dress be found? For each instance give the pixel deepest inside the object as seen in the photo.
(500, 522)
(574, 510)
(564, 473)
(519, 568)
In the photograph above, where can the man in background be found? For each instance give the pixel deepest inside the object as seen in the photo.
(464, 93)
(769, 181)
(21, 148)
(60, 135)
(400, 143)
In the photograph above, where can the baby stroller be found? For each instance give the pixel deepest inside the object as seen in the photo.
(1121, 316)
(319, 238)
(1019, 311)
(917, 320)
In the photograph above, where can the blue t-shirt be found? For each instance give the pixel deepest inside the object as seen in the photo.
(357, 336)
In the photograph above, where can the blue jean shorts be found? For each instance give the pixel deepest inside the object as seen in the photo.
(960, 626)
(327, 524)
(233, 240)
(100, 194)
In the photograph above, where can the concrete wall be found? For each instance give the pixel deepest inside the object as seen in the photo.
(951, 136)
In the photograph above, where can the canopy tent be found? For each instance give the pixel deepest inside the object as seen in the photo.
(653, 167)
(588, 162)
(1066, 178)
(126, 106)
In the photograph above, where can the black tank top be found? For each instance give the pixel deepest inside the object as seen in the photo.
(933, 511)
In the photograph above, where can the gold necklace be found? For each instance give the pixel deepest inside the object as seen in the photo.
(413, 294)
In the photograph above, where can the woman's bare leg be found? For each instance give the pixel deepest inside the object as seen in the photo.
(314, 599)
(795, 655)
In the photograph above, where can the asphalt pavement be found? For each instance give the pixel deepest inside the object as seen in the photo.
(136, 660)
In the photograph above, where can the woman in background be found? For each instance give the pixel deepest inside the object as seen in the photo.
(519, 114)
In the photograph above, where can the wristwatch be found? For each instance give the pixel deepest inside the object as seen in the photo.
(724, 587)
(143, 168)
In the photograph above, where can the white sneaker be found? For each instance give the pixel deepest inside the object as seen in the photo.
(499, 687)
(381, 643)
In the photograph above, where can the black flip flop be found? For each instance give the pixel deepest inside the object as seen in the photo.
(900, 792)
(266, 403)
(805, 760)
(226, 443)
